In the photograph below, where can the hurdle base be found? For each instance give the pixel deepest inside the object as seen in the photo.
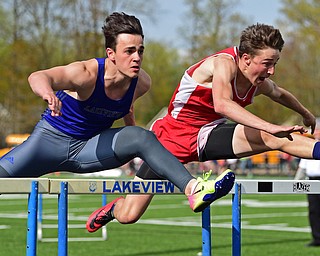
(70, 239)
(74, 239)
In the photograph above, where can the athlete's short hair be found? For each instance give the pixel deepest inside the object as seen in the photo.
(119, 23)
(258, 37)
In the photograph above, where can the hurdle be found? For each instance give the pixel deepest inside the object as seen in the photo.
(64, 187)
(36, 187)
(263, 187)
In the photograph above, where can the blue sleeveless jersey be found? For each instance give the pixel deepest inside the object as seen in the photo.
(85, 119)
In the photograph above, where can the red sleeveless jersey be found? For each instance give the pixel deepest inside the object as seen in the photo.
(192, 103)
(191, 115)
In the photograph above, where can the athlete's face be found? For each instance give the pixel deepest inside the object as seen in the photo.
(128, 54)
(262, 65)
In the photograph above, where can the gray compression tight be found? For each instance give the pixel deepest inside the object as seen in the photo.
(141, 143)
(49, 150)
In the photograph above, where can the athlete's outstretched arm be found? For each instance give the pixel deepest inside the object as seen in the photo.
(287, 99)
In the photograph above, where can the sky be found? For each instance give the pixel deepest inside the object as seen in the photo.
(171, 13)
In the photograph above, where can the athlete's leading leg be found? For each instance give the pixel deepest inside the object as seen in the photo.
(248, 141)
(236, 141)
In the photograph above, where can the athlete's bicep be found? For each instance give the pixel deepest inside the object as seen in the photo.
(270, 89)
(79, 75)
(70, 77)
(224, 73)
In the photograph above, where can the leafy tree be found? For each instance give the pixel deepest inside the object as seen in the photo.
(163, 65)
(299, 65)
(211, 26)
(38, 34)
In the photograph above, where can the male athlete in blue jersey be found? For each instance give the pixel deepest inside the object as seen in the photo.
(75, 131)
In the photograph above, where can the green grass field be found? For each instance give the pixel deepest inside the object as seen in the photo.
(271, 225)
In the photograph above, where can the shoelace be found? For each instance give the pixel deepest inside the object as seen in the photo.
(102, 218)
(206, 175)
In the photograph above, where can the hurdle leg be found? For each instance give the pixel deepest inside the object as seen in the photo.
(39, 222)
(104, 228)
(206, 232)
(63, 220)
(32, 220)
(236, 221)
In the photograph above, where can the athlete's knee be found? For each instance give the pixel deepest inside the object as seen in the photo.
(148, 138)
(142, 134)
(271, 141)
(256, 138)
(140, 137)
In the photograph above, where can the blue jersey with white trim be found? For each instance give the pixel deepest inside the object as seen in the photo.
(85, 119)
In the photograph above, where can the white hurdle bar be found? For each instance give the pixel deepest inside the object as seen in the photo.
(264, 187)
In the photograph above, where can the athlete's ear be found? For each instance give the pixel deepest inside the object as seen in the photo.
(110, 54)
(247, 58)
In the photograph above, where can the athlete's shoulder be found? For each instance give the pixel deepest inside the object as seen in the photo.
(91, 65)
(228, 54)
(82, 74)
(84, 67)
(233, 51)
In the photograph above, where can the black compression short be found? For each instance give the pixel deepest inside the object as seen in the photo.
(219, 144)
